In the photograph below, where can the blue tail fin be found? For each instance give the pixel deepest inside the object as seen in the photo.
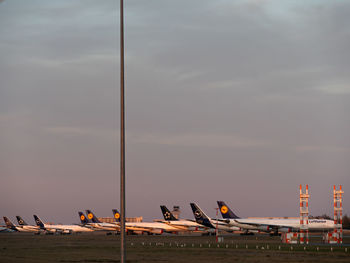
(9, 224)
(38, 221)
(116, 215)
(20, 221)
(167, 214)
(83, 218)
(225, 211)
(92, 217)
(200, 216)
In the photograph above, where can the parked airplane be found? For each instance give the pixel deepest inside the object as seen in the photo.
(20, 228)
(272, 225)
(87, 223)
(147, 227)
(184, 224)
(23, 224)
(203, 219)
(63, 229)
(94, 222)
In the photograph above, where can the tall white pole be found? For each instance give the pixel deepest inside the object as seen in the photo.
(122, 139)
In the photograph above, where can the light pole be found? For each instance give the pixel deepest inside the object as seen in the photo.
(217, 225)
(122, 139)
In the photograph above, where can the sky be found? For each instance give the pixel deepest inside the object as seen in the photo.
(240, 101)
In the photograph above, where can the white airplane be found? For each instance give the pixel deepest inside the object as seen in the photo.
(272, 224)
(22, 227)
(183, 224)
(148, 227)
(203, 219)
(91, 221)
(63, 229)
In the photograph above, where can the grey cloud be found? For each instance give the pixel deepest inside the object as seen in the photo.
(217, 91)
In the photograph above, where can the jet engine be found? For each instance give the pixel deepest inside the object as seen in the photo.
(264, 228)
(157, 231)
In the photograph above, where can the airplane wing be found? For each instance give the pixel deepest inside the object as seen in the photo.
(227, 221)
(152, 230)
(102, 227)
(180, 227)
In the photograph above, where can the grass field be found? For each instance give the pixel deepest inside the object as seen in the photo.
(16, 247)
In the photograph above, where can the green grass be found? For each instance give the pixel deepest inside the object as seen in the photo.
(95, 247)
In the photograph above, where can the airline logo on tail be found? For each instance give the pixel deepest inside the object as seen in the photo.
(38, 221)
(224, 209)
(116, 214)
(167, 215)
(21, 222)
(91, 216)
(8, 222)
(82, 217)
(198, 214)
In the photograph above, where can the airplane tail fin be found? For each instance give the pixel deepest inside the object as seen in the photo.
(225, 211)
(167, 214)
(20, 221)
(9, 224)
(83, 218)
(200, 216)
(116, 215)
(92, 217)
(38, 221)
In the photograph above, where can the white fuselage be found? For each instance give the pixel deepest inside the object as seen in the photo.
(67, 228)
(104, 226)
(224, 226)
(151, 226)
(28, 228)
(185, 225)
(293, 223)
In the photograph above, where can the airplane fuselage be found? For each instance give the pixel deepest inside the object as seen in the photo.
(104, 226)
(292, 224)
(185, 225)
(28, 228)
(151, 227)
(224, 226)
(66, 228)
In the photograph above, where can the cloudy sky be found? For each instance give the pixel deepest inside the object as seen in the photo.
(235, 100)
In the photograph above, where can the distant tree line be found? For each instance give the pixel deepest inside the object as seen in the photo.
(346, 222)
(346, 219)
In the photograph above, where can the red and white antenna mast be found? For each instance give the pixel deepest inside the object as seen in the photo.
(338, 215)
(304, 215)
